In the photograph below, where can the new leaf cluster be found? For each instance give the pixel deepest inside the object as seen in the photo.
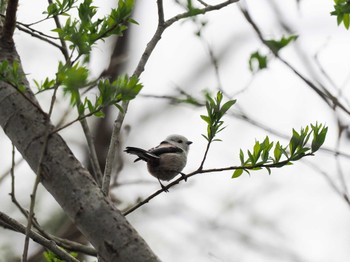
(342, 12)
(84, 32)
(259, 61)
(111, 93)
(11, 74)
(215, 113)
(266, 155)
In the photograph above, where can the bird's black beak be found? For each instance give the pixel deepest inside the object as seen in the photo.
(189, 142)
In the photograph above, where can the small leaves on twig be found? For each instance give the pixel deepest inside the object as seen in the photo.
(277, 45)
(11, 74)
(215, 112)
(262, 157)
(72, 78)
(59, 7)
(124, 88)
(342, 12)
(52, 257)
(259, 61)
(319, 136)
(84, 32)
(111, 93)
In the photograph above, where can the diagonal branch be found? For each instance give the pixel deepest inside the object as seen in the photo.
(322, 91)
(204, 171)
(14, 225)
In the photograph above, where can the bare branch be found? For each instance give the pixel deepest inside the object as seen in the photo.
(203, 171)
(322, 91)
(14, 225)
(202, 11)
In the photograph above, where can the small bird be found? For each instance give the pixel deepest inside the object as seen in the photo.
(167, 159)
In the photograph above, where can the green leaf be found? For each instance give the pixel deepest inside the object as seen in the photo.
(214, 114)
(277, 152)
(346, 21)
(84, 32)
(319, 136)
(225, 107)
(257, 62)
(99, 114)
(342, 11)
(268, 170)
(294, 142)
(265, 155)
(277, 45)
(52, 257)
(237, 173)
(259, 157)
(257, 150)
(205, 137)
(340, 19)
(11, 74)
(251, 158)
(81, 109)
(205, 118)
(241, 156)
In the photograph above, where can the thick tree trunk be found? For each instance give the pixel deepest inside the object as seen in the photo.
(64, 177)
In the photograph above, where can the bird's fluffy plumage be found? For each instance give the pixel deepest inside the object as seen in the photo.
(167, 159)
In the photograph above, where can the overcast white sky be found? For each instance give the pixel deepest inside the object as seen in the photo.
(291, 215)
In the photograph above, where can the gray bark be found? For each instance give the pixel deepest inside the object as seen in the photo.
(65, 178)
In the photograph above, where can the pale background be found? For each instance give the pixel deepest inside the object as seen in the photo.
(291, 215)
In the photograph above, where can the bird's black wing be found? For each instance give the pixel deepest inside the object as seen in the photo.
(141, 153)
(163, 150)
(153, 154)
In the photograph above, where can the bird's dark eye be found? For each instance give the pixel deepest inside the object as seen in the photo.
(179, 141)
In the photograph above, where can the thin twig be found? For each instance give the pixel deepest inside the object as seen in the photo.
(205, 155)
(114, 144)
(338, 166)
(202, 2)
(204, 171)
(12, 194)
(58, 129)
(51, 245)
(64, 48)
(323, 92)
(34, 34)
(202, 11)
(70, 245)
(97, 173)
(7, 172)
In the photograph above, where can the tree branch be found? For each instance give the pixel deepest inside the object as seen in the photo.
(65, 178)
(10, 23)
(322, 91)
(14, 225)
(203, 171)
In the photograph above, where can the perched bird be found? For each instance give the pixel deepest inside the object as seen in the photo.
(167, 159)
